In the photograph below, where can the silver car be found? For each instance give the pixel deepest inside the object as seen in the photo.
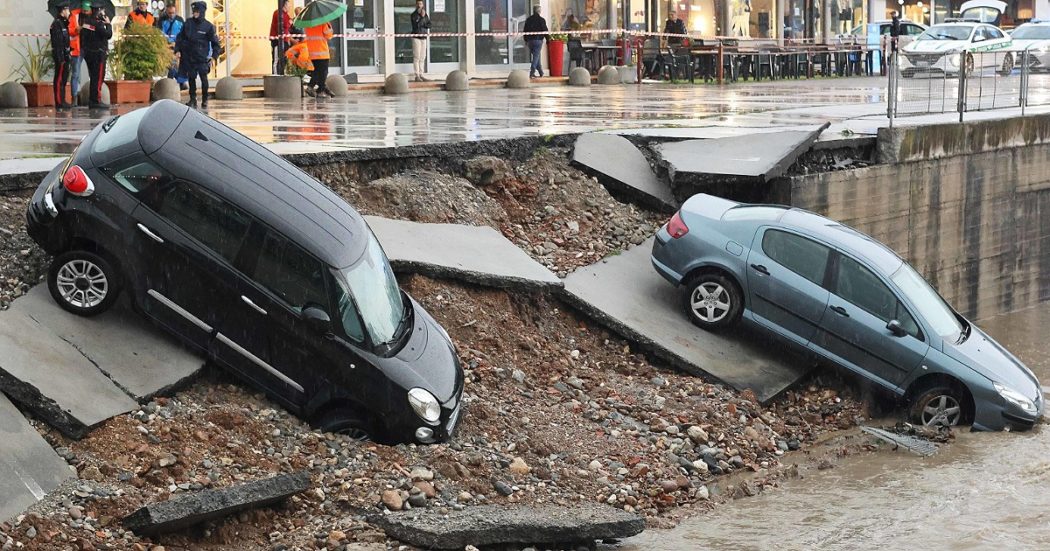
(847, 299)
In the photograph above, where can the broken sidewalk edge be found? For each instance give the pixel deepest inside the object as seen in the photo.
(475, 277)
(42, 407)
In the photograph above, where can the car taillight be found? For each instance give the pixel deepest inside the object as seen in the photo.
(76, 181)
(676, 227)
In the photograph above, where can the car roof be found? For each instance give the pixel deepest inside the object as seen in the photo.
(863, 246)
(198, 148)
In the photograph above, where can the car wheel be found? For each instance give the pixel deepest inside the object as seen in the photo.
(349, 423)
(712, 301)
(1008, 65)
(83, 283)
(940, 405)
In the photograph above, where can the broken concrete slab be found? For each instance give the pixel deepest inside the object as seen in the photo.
(53, 379)
(475, 254)
(626, 294)
(495, 524)
(29, 468)
(190, 509)
(623, 168)
(750, 158)
(139, 357)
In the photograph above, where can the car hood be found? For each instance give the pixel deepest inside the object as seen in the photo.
(1034, 43)
(428, 360)
(934, 46)
(987, 357)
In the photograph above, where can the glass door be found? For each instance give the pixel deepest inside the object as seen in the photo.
(445, 52)
(500, 16)
(360, 54)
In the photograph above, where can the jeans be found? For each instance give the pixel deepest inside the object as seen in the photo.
(535, 47)
(74, 76)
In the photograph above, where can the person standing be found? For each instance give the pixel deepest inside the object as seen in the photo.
(195, 47)
(60, 54)
(95, 32)
(280, 28)
(74, 50)
(141, 15)
(317, 38)
(420, 28)
(535, 23)
(171, 25)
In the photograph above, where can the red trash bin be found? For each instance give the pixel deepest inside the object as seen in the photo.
(556, 57)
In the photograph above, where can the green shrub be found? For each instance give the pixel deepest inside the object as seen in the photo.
(141, 53)
(35, 61)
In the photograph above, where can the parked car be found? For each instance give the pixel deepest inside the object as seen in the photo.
(251, 261)
(992, 12)
(909, 30)
(942, 49)
(1033, 37)
(847, 299)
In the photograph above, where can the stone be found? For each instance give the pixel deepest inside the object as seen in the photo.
(166, 88)
(623, 168)
(91, 472)
(338, 85)
(76, 513)
(351, 78)
(502, 488)
(608, 75)
(13, 94)
(392, 500)
(486, 170)
(84, 95)
(703, 493)
(495, 525)
(518, 79)
(457, 81)
(421, 473)
(697, 435)
(668, 486)
(191, 509)
(282, 87)
(29, 467)
(396, 83)
(594, 466)
(425, 487)
(230, 89)
(417, 499)
(628, 74)
(519, 467)
(579, 76)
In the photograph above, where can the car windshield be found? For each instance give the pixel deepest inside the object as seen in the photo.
(118, 131)
(983, 14)
(1032, 32)
(947, 32)
(371, 284)
(930, 305)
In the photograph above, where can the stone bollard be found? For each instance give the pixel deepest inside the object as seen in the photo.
(337, 84)
(608, 75)
(628, 74)
(518, 78)
(12, 94)
(84, 97)
(285, 87)
(166, 88)
(396, 83)
(229, 88)
(457, 81)
(579, 76)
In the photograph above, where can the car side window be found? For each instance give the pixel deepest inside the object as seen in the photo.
(805, 257)
(290, 273)
(979, 35)
(216, 223)
(992, 32)
(863, 289)
(914, 30)
(140, 175)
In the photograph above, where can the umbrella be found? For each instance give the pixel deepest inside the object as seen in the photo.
(52, 6)
(319, 12)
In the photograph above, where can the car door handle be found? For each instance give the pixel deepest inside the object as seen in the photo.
(254, 306)
(151, 235)
(840, 311)
(760, 269)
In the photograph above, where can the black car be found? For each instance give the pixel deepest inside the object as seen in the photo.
(254, 263)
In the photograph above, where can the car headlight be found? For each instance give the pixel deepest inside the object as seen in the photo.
(425, 405)
(1015, 398)
(954, 60)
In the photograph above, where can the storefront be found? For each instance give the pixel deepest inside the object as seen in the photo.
(496, 16)
(445, 52)
(566, 15)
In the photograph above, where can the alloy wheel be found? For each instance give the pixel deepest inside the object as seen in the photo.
(941, 409)
(355, 434)
(82, 283)
(710, 302)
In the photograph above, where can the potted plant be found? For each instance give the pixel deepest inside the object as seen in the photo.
(556, 54)
(35, 63)
(140, 54)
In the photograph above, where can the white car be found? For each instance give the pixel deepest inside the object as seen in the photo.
(1035, 38)
(940, 49)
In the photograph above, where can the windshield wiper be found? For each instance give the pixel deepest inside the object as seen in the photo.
(399, 331)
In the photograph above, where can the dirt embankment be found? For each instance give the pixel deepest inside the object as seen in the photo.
(21, 261)
(558, 410)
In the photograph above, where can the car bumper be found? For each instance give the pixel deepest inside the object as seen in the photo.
(661, 257)
(995, 417)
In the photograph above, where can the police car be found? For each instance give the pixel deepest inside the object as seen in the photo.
(1033, 37)
(947, 47)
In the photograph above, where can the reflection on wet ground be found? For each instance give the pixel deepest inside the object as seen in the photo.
(985, 491)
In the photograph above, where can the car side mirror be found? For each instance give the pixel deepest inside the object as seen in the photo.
(317, 319)
(895, 327)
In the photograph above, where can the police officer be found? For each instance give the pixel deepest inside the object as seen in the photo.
(196, 45)
(61, 54)
(95, 32)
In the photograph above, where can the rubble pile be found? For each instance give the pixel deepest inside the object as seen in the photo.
(21, 261)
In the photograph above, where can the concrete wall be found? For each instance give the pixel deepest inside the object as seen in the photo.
(977, 226)
(19, 16)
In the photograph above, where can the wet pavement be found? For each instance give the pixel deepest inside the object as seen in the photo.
(985, 491)
(368, 120)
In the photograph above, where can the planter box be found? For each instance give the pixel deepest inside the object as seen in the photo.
(556, 57)
(41, 94)
(129, 91)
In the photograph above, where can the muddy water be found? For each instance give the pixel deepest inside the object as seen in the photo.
(985, 491)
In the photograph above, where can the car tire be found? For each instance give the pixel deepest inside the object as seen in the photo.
(83, 283)
(348, 422)
(1008, 65)
(941, 404)
(712, 301)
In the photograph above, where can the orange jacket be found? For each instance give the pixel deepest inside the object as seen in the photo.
(317, 40)
(300, 56)
(74, 33)
(146, 19)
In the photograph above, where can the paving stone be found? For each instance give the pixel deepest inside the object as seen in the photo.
(485, 525)
(475, 254)
(138, 356)
(29, 468)
(50, 377)
(627, 295)
(624, 167)
(189, 509)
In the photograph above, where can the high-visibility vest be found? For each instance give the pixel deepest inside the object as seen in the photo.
(146, 19)
(300, 56)
(317, 40)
